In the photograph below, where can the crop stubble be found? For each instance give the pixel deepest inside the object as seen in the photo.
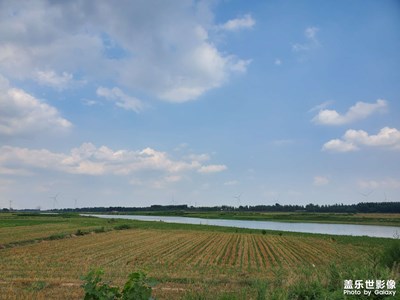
(168, 254)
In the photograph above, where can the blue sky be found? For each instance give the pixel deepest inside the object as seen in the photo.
(197, 102)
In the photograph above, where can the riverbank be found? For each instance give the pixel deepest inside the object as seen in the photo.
(313, 228)
(291, 217)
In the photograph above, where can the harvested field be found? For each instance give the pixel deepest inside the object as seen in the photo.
(178, 259)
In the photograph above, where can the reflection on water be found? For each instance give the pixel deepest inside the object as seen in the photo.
(336, 229)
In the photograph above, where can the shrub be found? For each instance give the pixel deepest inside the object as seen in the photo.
(123, 227)
(79, 232)
(57, 236)
(95, 289)
(137, 287)
(99, 230)
(301, 291)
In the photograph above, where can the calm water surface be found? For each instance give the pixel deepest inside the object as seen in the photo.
(336, 229)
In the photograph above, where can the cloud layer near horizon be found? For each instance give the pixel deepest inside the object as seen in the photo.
(91, 160)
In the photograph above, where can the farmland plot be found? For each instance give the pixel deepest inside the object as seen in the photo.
(172, 257)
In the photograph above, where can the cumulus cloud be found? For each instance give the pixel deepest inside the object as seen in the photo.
(52, 79)
(22, 113)
(239, 23)
(91, 160)
(354, 139)
(120, 98)
(212, 169)
(320, 180)
(337, 145)
(359, 111)
(160, 48)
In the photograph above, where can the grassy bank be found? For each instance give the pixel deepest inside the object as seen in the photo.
(332, 218)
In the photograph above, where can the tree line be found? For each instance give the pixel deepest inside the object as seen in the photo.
(362, 207)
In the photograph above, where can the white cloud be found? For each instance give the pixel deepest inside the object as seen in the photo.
(386, 137)
(199, 157)
(21, 113)
(320, 180)
(359, 111)
(321, 106)
(337, 145)
(311, 33)
(159, 48)
(239, 23)
(278, 62)
(388, 183)
(312, 42)
(354, 139)
(120, 98)
(212, 169)
(52, 79)
(91, 160)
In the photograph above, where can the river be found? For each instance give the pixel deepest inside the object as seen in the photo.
(334, 229)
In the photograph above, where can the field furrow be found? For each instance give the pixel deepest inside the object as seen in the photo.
(206, 251)
(186, 254)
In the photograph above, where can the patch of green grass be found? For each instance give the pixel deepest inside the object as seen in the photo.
(57, 236)
(99, 229)
(123, 227)
(391, 254)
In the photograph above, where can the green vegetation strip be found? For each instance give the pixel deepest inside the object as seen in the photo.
(296, 217)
